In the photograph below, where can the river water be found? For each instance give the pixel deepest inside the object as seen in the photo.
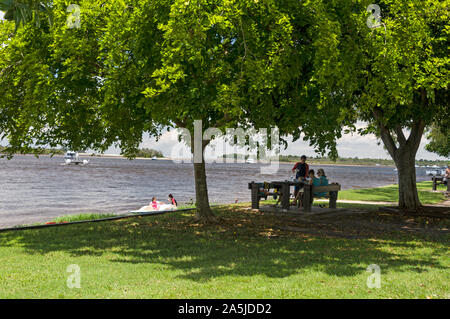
(35, 190)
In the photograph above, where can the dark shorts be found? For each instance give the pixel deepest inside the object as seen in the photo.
(296, 187)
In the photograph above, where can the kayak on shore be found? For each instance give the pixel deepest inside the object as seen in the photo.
(161, 207)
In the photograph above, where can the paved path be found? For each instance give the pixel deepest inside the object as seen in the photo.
(358, 202)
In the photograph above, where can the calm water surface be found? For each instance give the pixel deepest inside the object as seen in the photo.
(34, 189)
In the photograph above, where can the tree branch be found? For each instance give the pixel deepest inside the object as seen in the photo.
(400, 136)
(416, 135)
(386, 136)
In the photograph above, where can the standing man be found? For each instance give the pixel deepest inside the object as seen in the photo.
(301, 170)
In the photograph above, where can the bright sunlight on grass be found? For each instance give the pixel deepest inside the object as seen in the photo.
(390, 194)
(246, 255)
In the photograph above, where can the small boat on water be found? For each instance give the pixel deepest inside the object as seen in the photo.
(249, 161)
(72, 158)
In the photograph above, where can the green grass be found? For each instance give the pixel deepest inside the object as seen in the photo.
(169, 256)
(81, 217)
(390, 194)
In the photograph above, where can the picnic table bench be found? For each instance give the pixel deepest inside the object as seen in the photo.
(310, 190)
(439, 180)
(283, 189)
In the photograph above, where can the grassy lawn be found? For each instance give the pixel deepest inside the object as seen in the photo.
(390, 194)
(80, 217)
(246, 255)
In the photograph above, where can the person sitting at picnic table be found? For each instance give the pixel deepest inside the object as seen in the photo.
(323, 181)
(314, 181)
(301, 170)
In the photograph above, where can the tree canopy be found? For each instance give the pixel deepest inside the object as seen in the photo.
(313, 68)
(388, 67)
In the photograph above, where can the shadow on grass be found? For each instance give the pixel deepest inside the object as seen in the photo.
(206, 252)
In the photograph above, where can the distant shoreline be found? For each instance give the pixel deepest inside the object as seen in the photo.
(117, 156)
(281, 162)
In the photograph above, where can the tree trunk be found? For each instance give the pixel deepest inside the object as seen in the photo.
(203, 211)
(404, 155)
(407, 188)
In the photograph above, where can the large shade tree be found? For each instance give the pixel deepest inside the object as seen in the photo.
(309, 67)
(190, 60)
(388, 68)
(384, 64)
(169, 64)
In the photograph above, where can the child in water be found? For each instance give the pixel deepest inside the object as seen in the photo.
(154, 203)
(172, 200)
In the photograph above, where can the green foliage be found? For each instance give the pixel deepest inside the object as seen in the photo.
(24, 11)
(440, 140)
(37, 151)
(50, 80)
(149, 153)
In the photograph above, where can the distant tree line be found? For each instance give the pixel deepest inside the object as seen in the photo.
(37, 151)
(149, 153)
(145, 152)
(342, 160)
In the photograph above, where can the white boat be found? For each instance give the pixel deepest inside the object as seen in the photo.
(154, 158)
(249, 161)
(72, 158)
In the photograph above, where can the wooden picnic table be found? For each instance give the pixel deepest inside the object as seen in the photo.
(285, 192)
(283, 186)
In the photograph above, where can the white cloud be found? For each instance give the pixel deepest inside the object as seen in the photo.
(350, 145)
